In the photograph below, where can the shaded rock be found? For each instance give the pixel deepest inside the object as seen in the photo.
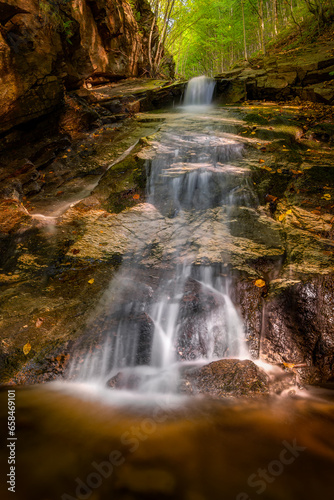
(226, 378)
(299, 328)
(39, 54)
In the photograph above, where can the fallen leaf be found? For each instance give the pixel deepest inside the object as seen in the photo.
(326, 196)
(281, 217)
(288, 212)
(91, 281)
(261, 161)
(270, 198)
(26, 349)
(289, 365)
(39, 322)
(75, 251)
(136, 196)
(279, 170)
(260, 283)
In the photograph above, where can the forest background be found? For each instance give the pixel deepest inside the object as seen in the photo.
(209, 36)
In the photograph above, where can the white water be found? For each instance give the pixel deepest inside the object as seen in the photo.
(187, 317)
(199, 91)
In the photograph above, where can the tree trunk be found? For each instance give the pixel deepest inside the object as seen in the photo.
(263, 48)
(244, 30)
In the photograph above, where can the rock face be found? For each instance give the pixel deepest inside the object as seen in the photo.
(47, 47)
(226, 378)
(305, 74)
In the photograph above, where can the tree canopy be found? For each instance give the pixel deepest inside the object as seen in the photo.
(208, 36)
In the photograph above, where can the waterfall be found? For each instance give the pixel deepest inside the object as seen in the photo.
(159, 320)
(199, 91)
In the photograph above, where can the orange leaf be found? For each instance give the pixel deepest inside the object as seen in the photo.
(260, 283)
(136, 196)
(289, 365)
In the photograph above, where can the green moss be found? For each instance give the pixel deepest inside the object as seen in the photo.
(256, 118)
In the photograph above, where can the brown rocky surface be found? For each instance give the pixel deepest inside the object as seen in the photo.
(304, 74)
(47, 48)
(226, 378)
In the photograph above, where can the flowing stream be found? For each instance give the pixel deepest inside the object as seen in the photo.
(194, 181)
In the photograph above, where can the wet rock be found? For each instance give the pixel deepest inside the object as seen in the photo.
(197, 306)
(299, 328)
(124, 381)
(226, 378)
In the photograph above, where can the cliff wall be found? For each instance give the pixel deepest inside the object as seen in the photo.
(49, 46)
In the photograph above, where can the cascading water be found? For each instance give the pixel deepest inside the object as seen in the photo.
(199, 91)
(162, 319)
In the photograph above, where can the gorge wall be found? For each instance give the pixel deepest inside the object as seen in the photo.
(48, 47)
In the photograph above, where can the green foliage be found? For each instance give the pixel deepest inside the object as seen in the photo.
(54, 16)
(209, 36)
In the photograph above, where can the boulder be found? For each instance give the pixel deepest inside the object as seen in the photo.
(226, 378)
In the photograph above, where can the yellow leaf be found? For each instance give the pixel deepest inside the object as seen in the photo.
(281, 217)
(253, 133)
(288, 212)
(26, 349)
(91, 281)
(326, 196)
(279, 170)
(289, 365)
(260, 283)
